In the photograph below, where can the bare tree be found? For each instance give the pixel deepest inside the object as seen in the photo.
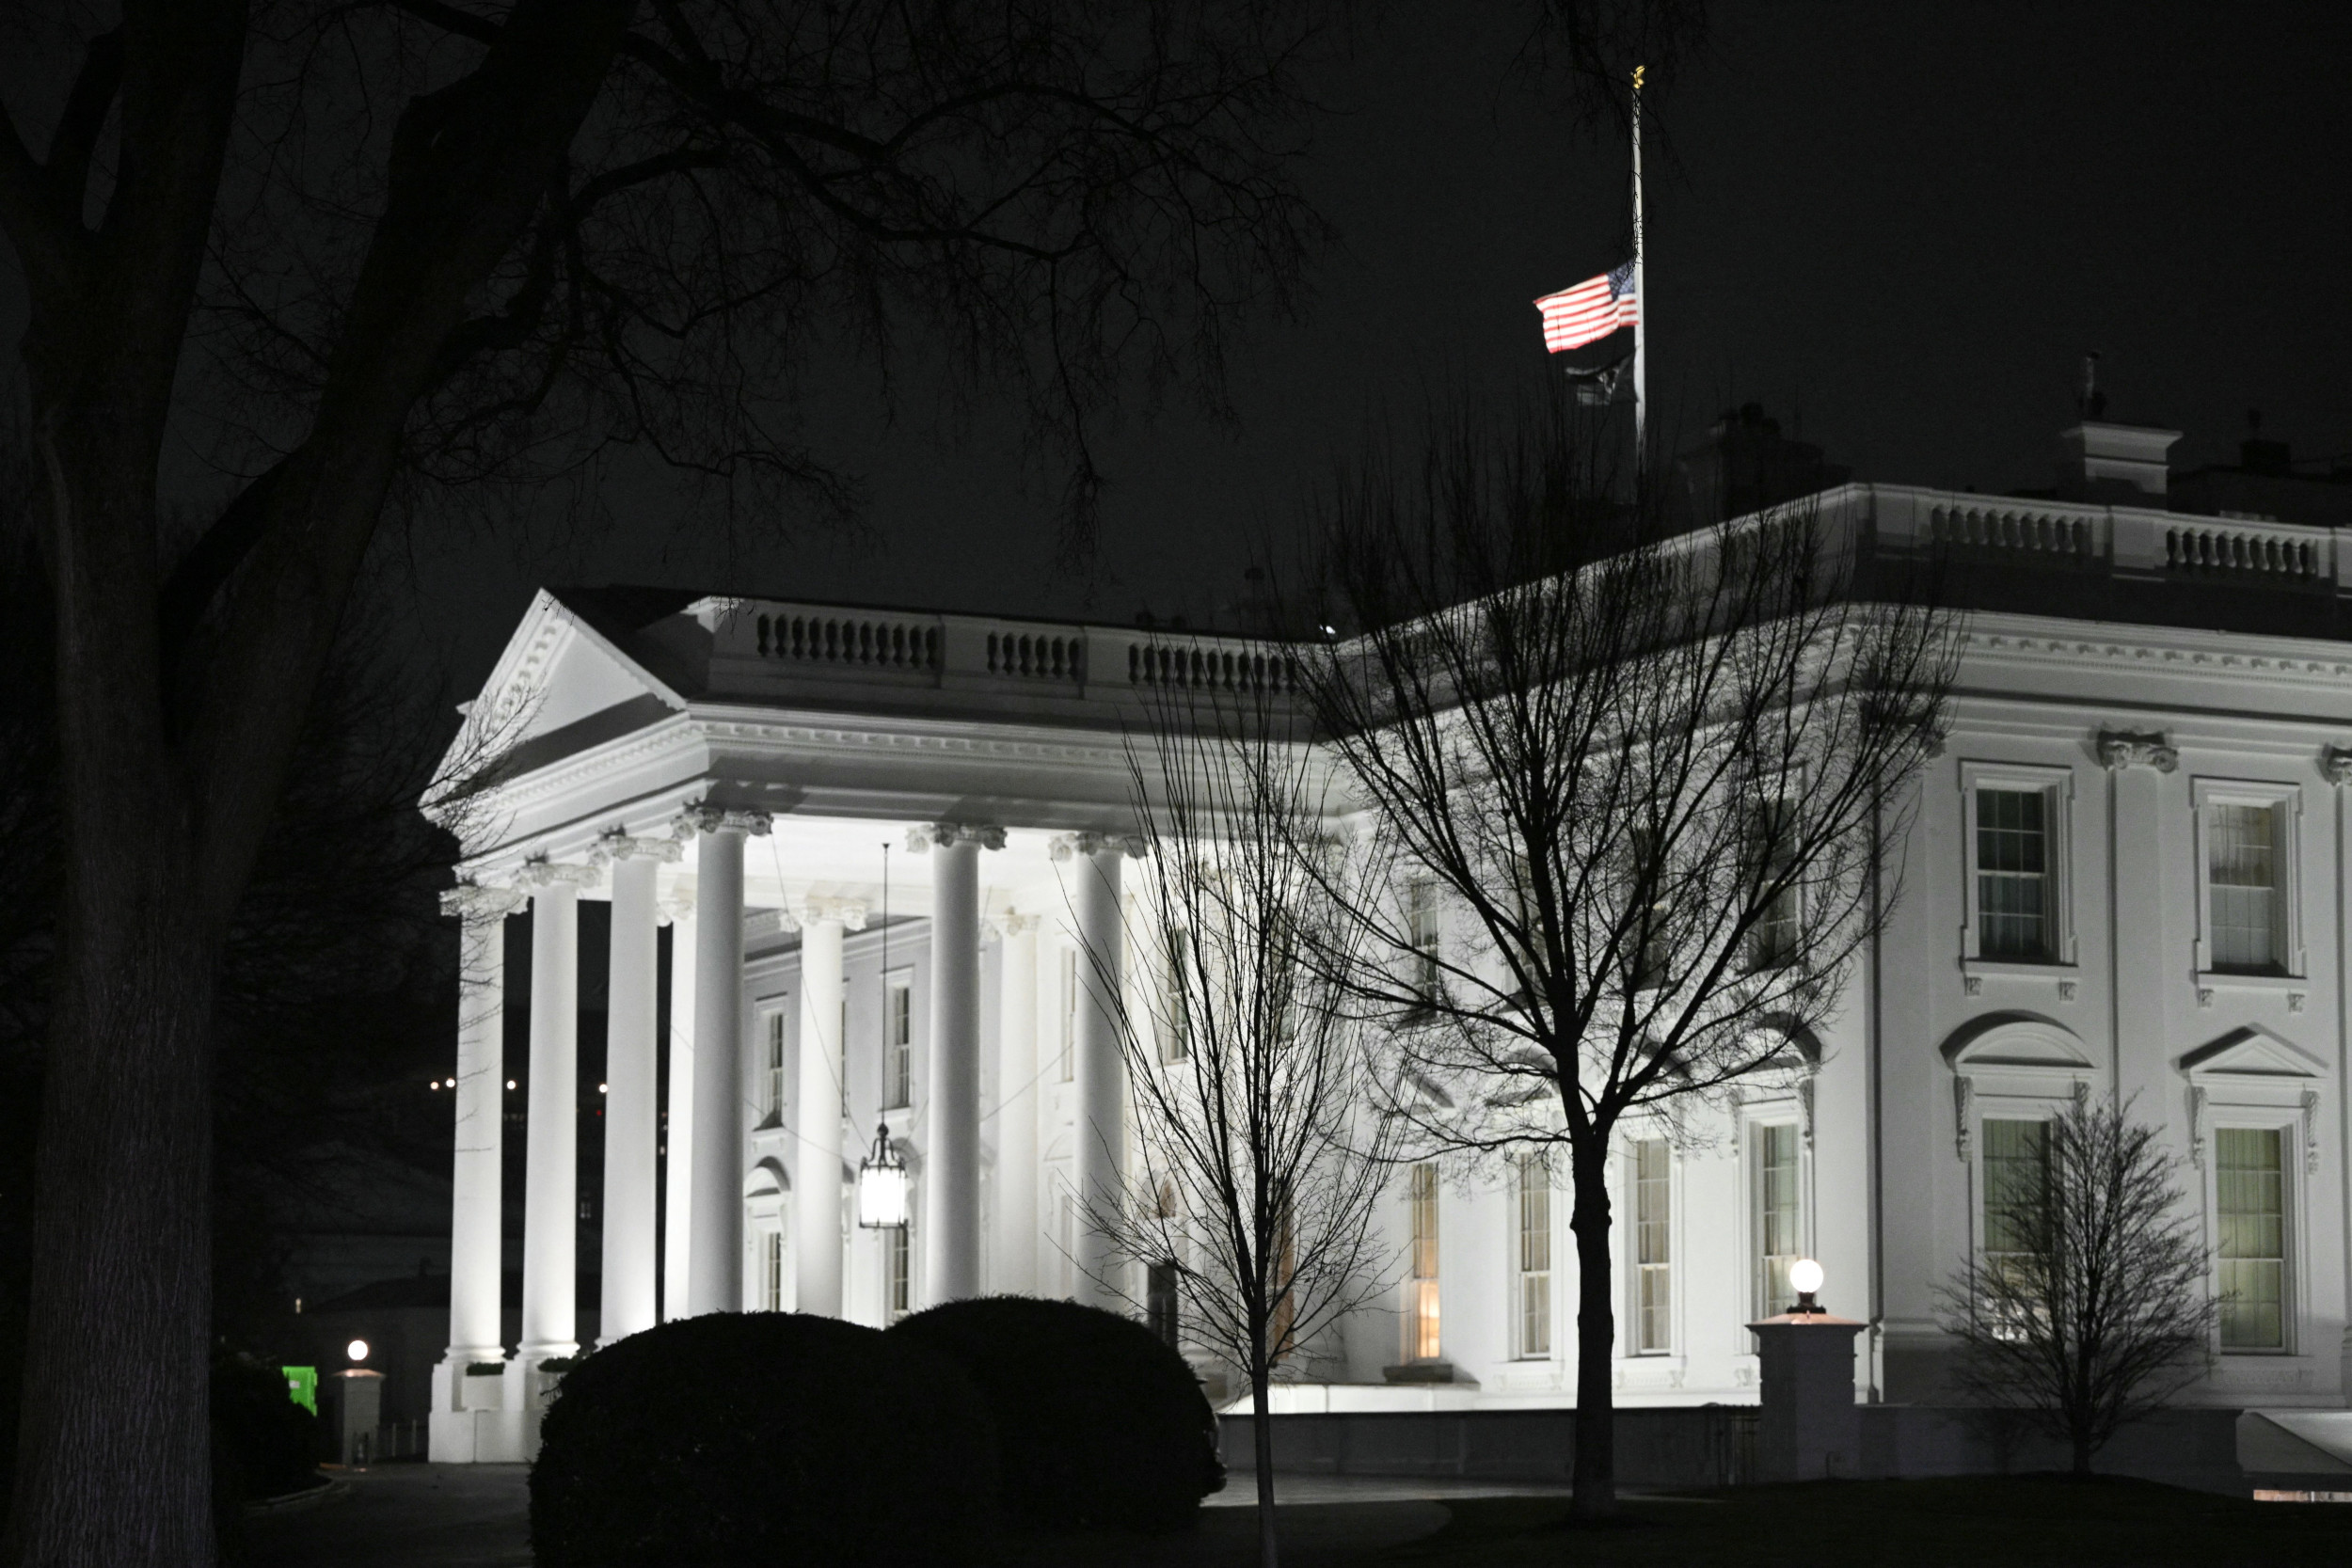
(346, 254)
(347, 251)
(1645, 774)
(2087, 1306)
(1261, 1156)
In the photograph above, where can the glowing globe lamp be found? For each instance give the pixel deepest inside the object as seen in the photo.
(1804, 1277)
(356, 1350)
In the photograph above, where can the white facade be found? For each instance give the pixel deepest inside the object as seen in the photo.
(740, 768)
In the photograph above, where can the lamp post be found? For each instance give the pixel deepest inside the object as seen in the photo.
(1809, 1428)
(882, 1184)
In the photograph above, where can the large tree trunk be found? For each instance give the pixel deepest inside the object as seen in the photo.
(113, 1436)
(1594, 1476)
(1262, 1434)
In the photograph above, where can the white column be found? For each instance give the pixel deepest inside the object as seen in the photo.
(1100, 1161)
(474, 1229)
(677, 1210)
(714, 1264)
(550, 1327)
(631, 1058)
(817, 1107)
(1018, 1094)
(951, 1154)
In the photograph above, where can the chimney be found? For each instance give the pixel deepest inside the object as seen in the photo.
(2258, 456)
(2119, 463)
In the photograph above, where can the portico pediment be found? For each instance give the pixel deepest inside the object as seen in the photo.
(2251, 1052)
(561, 685)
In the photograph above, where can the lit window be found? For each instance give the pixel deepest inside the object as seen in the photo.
(1176, 1044)
(898, 1041)
(1653, 1257)
(1423, 930)
(1069, 1013)
(1772, 938)
(1534, 1271)
(775, 1062)
(2250, 1189)
(772, 1271)
(897, 1291)
(1160, 1303)
(2016, 1187)
(2245, 889)
(1778, 1244)
(2014, 903)
(1420, 1286)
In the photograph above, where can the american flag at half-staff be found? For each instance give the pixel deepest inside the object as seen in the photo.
(1591, 310)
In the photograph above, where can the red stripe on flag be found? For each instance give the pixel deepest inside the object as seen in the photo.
(1585, 315)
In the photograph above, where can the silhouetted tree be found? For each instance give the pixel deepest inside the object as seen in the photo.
(1642, 775)
(2087, 1306)
(348, 253)
(1262, 1157)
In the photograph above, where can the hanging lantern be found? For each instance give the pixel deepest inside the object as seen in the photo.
(882, 1185)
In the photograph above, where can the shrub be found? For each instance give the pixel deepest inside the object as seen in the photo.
(262, 1442)
(765, 1438)
(1099, 1425)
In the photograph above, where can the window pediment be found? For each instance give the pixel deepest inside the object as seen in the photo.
(766, 1179)
(2013, 1041)
(2251, 1053)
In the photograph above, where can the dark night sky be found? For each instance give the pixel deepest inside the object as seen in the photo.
(1897, 225)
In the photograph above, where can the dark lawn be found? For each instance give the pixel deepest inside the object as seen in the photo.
(1977, 1520)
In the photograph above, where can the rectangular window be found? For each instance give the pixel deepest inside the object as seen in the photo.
(1421, 930)
(1159, 1303)
(2016, 1185)
(1772, 938)
(772, 1271)
(1069, 1013)
(897, 1293)
(2014, 896)
(2249, 1190)
(2245, 889)
(898, 1041)
(1177, 1043)
(1653, 1259)
(774, 1062)
(1778, 1244)
(1646, 936)
(1420, 1284)
(1534, 1271)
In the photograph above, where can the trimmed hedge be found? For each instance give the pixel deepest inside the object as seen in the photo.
(764, 1437)
(262, 1442)
(1099, 1425)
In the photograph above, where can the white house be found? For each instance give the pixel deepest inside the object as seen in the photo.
(884, 841)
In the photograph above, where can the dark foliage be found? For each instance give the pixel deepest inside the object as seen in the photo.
(262, 1442)
(762, 1438)
(1099, 1424)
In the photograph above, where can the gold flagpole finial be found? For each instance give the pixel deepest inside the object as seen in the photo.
(1637, 76)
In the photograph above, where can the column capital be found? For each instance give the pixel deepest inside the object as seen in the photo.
(705, 817)
(1012, 923)
(619, 846)
(2335, 764)
(946, 835)
(539, 874)
(2122, 749)
(472, 901)
(849, 913)
(1066, 845)
(679, 904)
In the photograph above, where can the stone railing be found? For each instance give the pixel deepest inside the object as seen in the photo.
(831, 645)
(2134, 541)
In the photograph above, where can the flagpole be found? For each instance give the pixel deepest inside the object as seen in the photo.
(1640, 298)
